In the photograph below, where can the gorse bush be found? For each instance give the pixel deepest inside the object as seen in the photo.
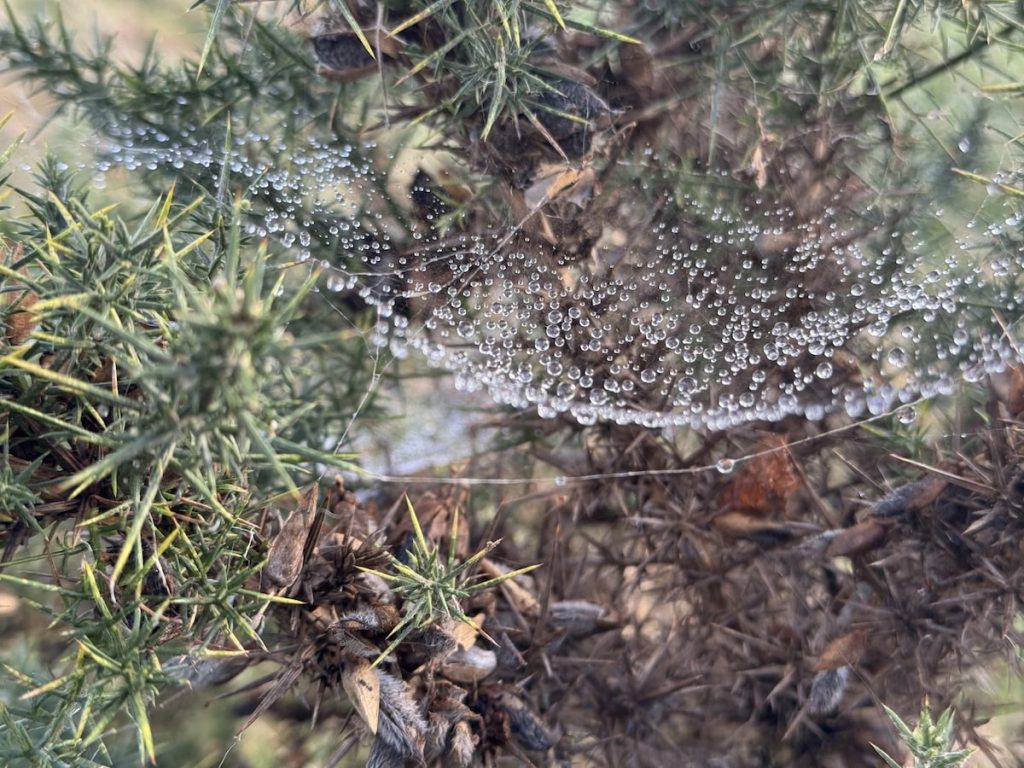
(724, 273)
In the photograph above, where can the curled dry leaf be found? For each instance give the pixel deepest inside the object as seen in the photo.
(857, 539)
(764, 484)
(363, 688)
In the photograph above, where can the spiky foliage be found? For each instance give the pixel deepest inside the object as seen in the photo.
(433, 588)
(170, 373)
(930, 742)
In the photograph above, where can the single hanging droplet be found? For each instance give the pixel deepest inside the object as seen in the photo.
(906, 415)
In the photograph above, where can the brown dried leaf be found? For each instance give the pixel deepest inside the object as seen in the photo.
(845, 651)
(765, 483)
(857, 539)
(363, 688)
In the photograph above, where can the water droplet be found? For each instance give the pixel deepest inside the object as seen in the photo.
(906, 415)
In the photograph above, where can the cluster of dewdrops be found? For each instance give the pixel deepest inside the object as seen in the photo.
(655, 328)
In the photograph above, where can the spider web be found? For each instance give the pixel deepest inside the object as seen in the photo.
(681, 313)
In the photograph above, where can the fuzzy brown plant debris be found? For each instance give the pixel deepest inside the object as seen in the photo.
(765, 639)
(418, 701)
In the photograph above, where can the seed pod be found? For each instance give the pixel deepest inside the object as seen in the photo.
(199, 672)
(570, 112)
(525, 727)
(579, 618)
(401, 731)
(469, 665)
(845, 651)
(743, 526)
(827, 690)
(16, 304)
(461, 746)
(908, 498)
(286, 555)
(342, 52)
(857, 539)
(362, 685)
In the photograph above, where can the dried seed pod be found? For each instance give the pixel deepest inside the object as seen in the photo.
(341, 52)
(845, 651)
(857, 539)
(579, 618)
(362, 685)
(286, 555)
(426, 197)
(401, 731)
(469, 665)
(827, 689)
(159, 580)
(373, 620)
(743, 526)
(812, 547)
(18, 316)
(570, 112)
(461, 746)
(200, 672)
(524, 726)
(908, 498)
(16, 304)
